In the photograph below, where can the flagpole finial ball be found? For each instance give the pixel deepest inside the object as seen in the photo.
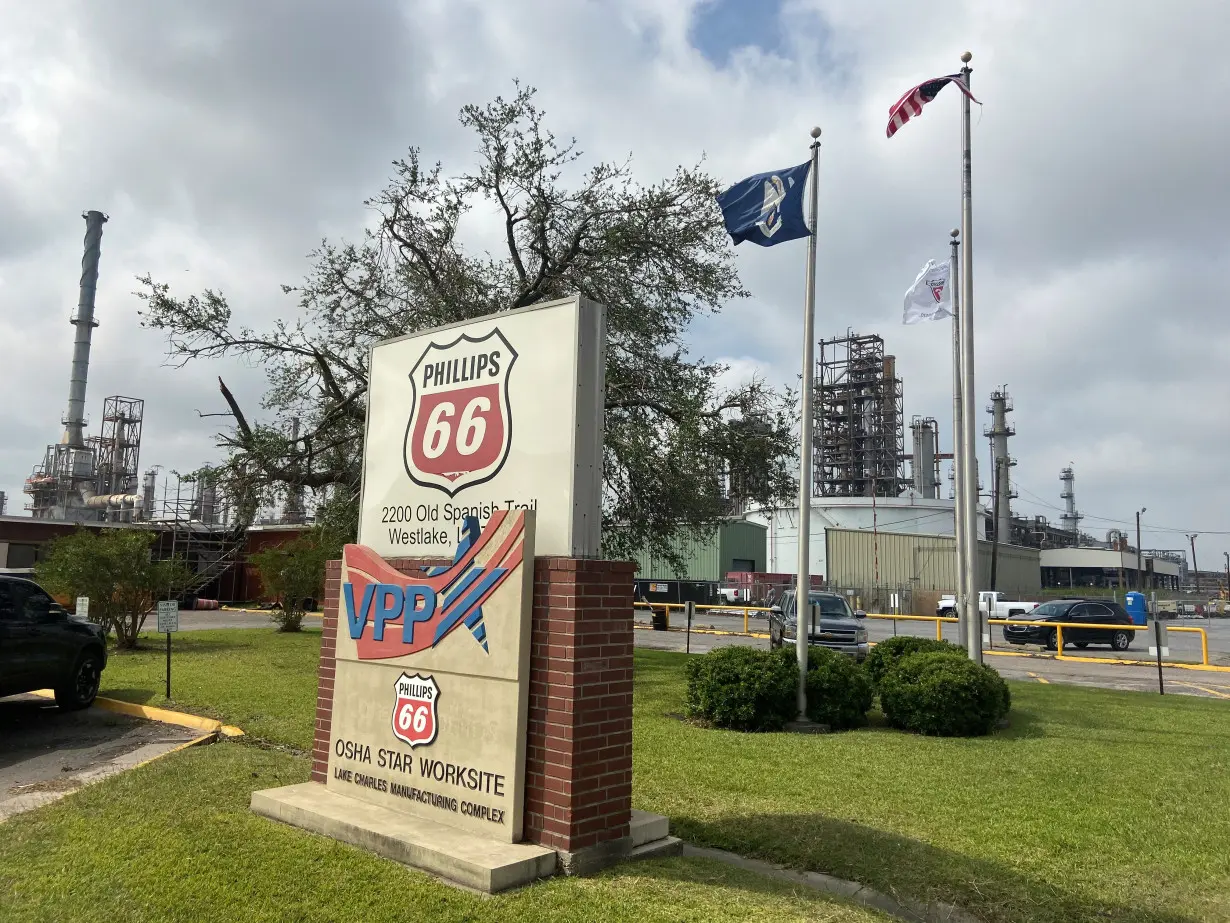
(966, 57)
(955, 232)
(815, 132)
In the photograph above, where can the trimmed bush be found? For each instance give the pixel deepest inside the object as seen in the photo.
(943, 694)
(886, 653)
(742, 688)
(839, 694)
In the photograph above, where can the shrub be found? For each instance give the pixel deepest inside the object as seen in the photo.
(743, 689)
(839, 694)
(886, 653)
(944, 694)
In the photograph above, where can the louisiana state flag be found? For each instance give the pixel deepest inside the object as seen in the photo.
(767, 208)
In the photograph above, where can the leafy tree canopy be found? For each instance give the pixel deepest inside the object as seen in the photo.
(676, 441)
(114, 568)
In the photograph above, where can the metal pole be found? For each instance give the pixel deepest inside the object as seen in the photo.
(970, 506)
(1140, 564)
(995, 519)
(689, 607)
(803, 589)
(1195, 567)
(1157, 642)
(168, 666)
(958, 427)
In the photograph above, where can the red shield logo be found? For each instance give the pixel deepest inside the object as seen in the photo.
(414, 710)
(460, 426)
(938, 292)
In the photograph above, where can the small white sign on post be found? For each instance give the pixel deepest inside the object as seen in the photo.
(168, 616)
(83, 607)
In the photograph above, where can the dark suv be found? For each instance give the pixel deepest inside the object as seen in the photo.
(837, 628)
(42, 646)
(1087, 611)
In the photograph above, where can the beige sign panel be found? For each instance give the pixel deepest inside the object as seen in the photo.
(431, 684)
(501, 413)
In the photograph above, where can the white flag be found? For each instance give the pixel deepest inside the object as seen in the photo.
(929, 297)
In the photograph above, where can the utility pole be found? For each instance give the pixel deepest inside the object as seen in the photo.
(1227, 554)
(1195, 568)
(1140, 567)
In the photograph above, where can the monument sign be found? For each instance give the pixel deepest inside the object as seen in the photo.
(500, 413)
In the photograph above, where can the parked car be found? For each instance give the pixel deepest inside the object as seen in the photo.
(837, 628)
(1087, 611)
(991, 603)
(43, 647)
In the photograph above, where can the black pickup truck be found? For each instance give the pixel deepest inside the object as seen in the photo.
(43, 647)
(837, 628)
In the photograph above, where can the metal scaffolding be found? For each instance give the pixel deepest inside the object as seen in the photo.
(859, 448)
(194, 519)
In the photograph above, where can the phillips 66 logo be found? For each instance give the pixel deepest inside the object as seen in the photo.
(414, 710)
(460, 424)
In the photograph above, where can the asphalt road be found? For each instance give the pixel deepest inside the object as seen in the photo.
(1025, 662)
(46, 753)
(1039, 667)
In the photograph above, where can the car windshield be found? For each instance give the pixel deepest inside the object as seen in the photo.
(829, 605)
(1048, 610)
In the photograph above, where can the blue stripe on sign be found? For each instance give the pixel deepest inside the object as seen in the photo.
(464, 607)
(458, 588)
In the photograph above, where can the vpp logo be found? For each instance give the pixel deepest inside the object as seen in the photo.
(389, 615)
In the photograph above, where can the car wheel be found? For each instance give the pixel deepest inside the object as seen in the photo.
(81, 688)
(775, 636)
(1052, 640)
(1082, 644)
(1120, 640)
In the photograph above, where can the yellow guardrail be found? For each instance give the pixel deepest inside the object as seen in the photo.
(940, 620)
(1059, 627)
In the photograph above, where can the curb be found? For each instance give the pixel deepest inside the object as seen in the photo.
(211, 726)
(912, 911)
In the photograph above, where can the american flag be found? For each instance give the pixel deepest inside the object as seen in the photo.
(911, 104)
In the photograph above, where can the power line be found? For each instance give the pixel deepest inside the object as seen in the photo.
(1119, 522)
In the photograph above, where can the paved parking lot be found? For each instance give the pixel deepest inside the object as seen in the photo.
(46, 753)
(1038, 667)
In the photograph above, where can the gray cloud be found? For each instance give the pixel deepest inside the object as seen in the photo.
(226, 139)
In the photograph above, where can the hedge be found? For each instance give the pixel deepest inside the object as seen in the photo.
(944, 694)
(743, 689)
(886, 653)
(839, 694)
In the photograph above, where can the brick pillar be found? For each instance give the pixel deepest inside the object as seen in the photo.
(324, 673)
(578, 797)
(579, 755)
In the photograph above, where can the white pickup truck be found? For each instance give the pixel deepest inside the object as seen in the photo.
(992, 603)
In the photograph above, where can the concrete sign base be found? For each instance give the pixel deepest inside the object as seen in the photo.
(477, 862)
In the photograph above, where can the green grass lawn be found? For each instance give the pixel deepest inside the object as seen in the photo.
(174, 841)
(258, 679)
(1095, 805)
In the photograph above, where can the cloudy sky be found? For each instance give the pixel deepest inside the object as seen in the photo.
(224, 140)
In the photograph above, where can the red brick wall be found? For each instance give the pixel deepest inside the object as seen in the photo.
(579, 751)
(579, 756)
(324, 673)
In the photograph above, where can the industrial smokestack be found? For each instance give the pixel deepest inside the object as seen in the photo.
(83, 320)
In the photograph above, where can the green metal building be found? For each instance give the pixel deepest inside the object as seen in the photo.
(736, 545)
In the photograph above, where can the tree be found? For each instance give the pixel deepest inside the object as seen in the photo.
(655, 255)
(294, 573)
(115, 569)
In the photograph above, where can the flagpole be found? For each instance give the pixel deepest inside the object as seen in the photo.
(802, 596)
(958, 506)
(970, 504)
